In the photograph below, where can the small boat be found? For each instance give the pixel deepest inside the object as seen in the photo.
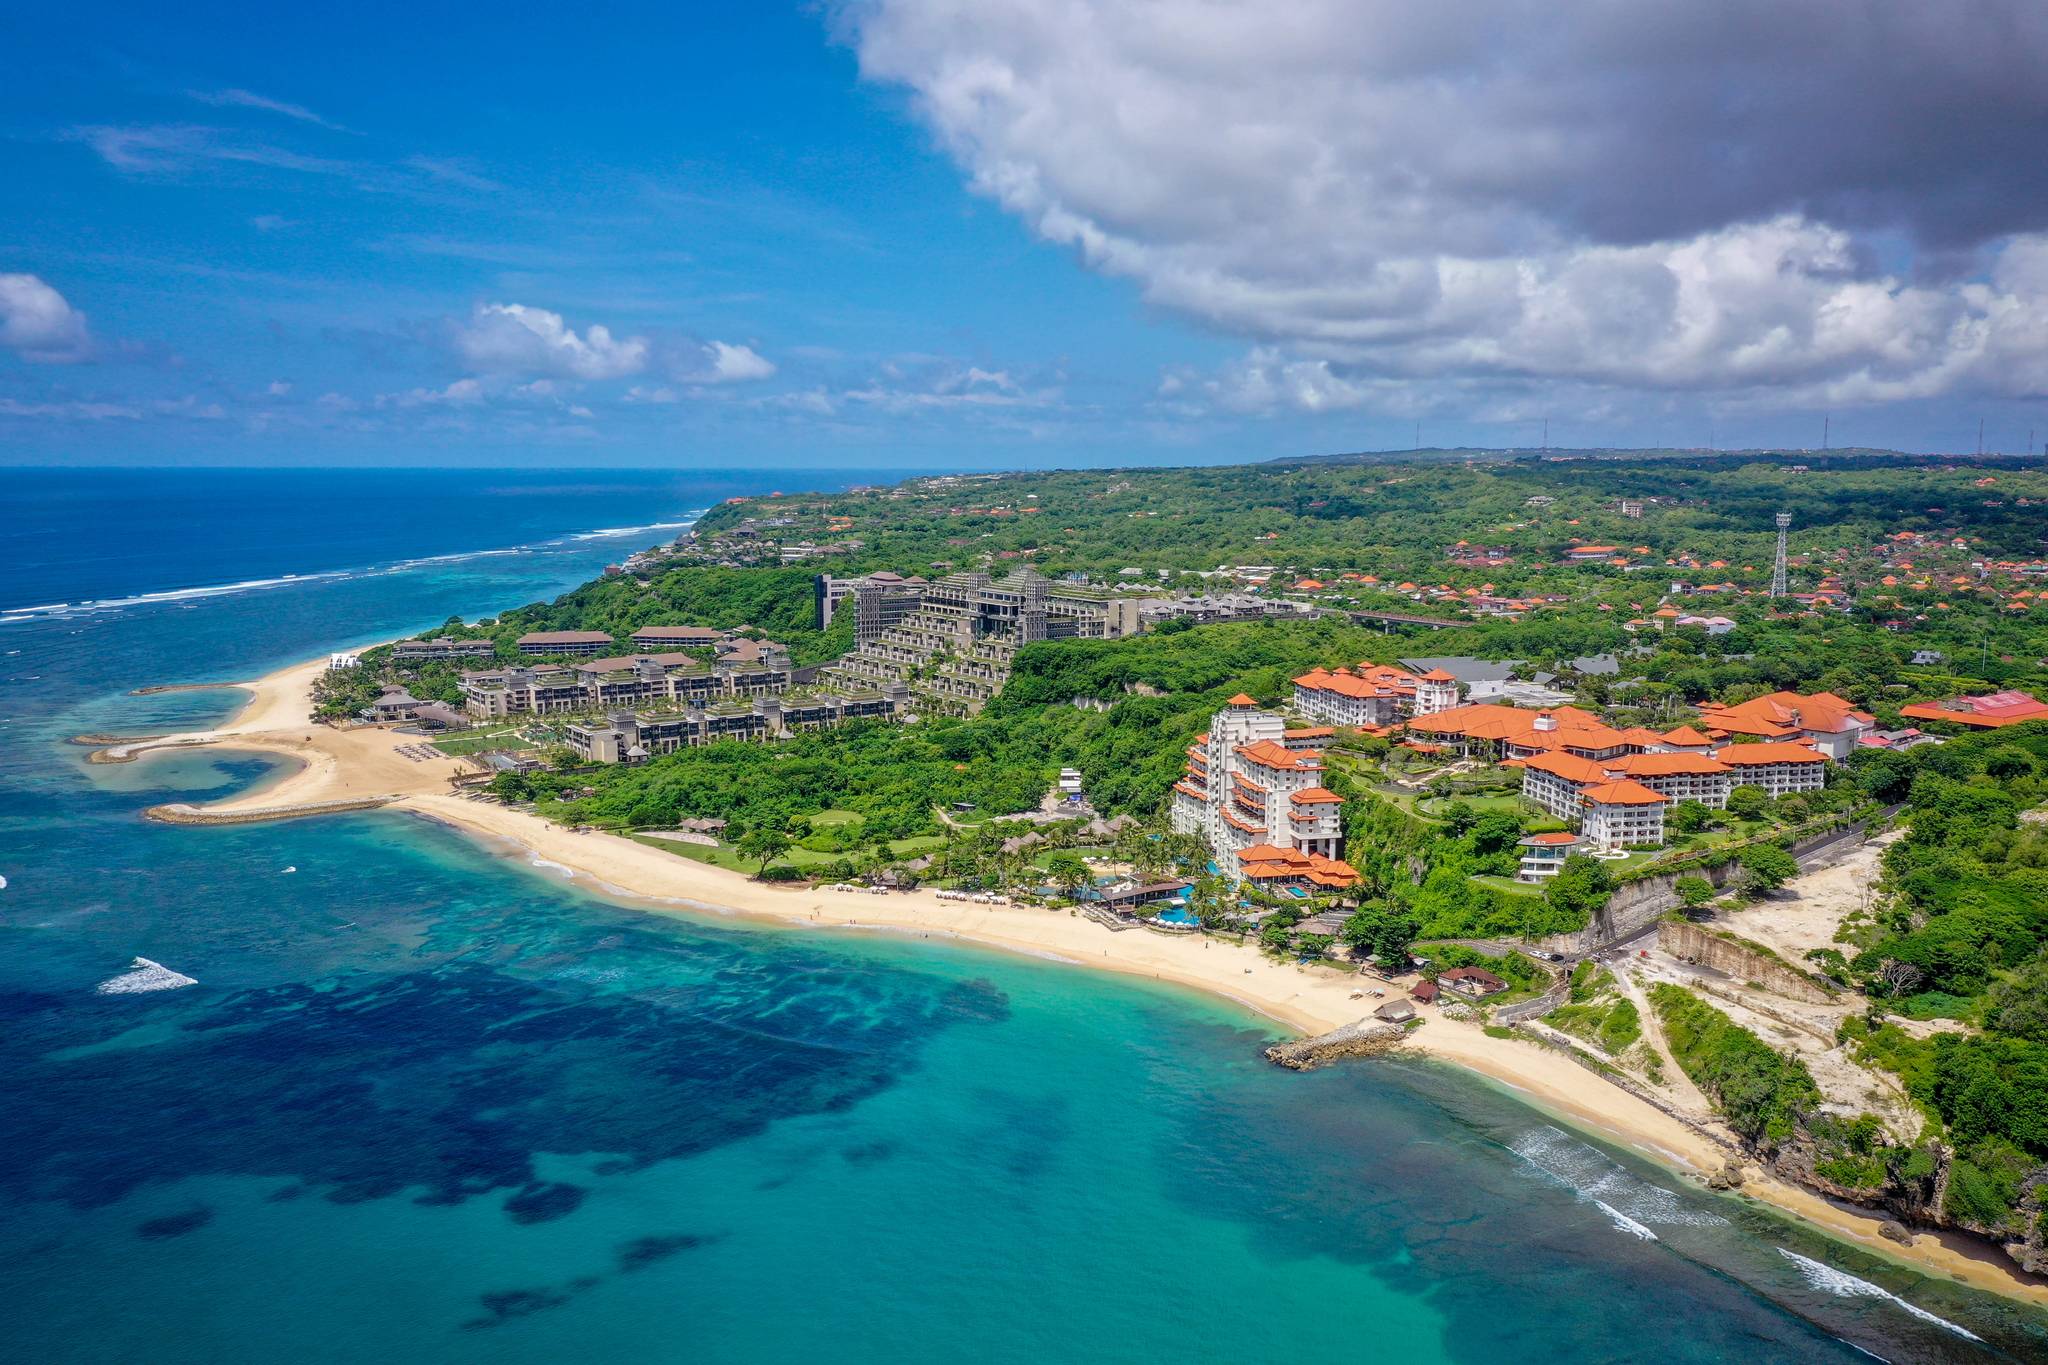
(289, 869)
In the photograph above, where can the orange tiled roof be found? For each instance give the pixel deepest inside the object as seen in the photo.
(1665, 765)
(1623, 793)
(1314, 796)
(1759, 755)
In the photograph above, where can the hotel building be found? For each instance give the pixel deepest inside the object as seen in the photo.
(1254, 791)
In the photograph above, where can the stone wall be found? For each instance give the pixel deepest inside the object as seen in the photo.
(1696, 943)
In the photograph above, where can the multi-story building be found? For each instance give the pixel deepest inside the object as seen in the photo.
(1829, 723)
(1777, 768)
(952, 640)
(652, 638)
(1260, 802)
(440, 648)
(1543, 855)
(571, 643)
(607, 684)
(1372, 695)
(630, 736)
(1623, 814)
(1678, 776)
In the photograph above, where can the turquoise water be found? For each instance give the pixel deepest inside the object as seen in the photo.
(429, 1101)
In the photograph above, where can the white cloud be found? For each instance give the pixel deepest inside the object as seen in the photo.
(37, 324)
(1366, 190)
(245, 99)
(725, 363)
(71, 411)
(463, 393)
(511, 338)
(279, 388)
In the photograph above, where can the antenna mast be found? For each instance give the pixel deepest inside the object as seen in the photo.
(1778, 574)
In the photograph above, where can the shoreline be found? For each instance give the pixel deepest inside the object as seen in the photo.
(347, 770)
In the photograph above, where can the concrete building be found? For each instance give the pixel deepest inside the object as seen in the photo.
(442, 647)
(673, 679)
(653, 638)
(1543, 855)
(1260, 804)
(570, 643)
(631, 736)
(1777, 768)
(1829, 723)
(1623, 814)
(952, 640)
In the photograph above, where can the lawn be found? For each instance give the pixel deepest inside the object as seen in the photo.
(828, 819)
(1038, 860)
(1507, 885)
(473, 742)
(729, 857)
(1433, 806)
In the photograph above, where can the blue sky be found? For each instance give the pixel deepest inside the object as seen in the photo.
(724, 235)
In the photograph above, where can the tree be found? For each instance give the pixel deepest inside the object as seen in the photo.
(511, 786)
(763, 844)
(1579, 889)
(1383, 931)
(1766, 867)
(1068, 872)
(1693, 892)
(1690, 817)
(1748, 803)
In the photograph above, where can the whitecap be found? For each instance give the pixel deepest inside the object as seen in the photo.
(553, 866)
(1624, 1222)
(606, 532)
(1594, 1176)
(142, 977)
(1843, 1285)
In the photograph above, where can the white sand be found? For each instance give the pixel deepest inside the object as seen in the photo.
(344, 765)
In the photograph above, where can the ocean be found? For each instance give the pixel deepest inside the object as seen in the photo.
(401, 1095)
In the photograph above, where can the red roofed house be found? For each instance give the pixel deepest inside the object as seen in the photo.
(1981, 713)
(1543, 855)
(1258, 798)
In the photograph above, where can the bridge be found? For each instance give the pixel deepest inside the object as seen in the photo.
(1398, 618)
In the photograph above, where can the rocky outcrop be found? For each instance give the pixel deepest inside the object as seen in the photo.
(1366, 1038)
(180, 813)
(1740, 960)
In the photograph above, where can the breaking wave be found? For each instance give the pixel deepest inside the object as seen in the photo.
(1632, 1204)
(100, 606)
(142, 977)
(1843, 1285)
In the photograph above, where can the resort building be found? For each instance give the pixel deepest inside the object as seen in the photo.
(952, 640)
(653, 638)
(1372, 695)
(1777, 768)
(395, 703)
(1678, 776)
(673, 679)
(1543, 855)
(1829, 723)
(1259, 801)
(570, 643)
(443, 647)
(1623, 814)
(1987, 712)
(1611, 810)
(630, 736)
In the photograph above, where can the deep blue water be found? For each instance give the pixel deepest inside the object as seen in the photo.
(431, 1102)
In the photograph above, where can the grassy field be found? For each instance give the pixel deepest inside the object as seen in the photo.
(804, 859)
(475, 742)
(1508, 885)
(1433, 806)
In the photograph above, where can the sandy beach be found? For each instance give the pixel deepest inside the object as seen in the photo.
(365, 765)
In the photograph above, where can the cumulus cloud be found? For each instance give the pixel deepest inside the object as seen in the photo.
(729, 364)
(1759, 195)
(510, 338)
(37, 324)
